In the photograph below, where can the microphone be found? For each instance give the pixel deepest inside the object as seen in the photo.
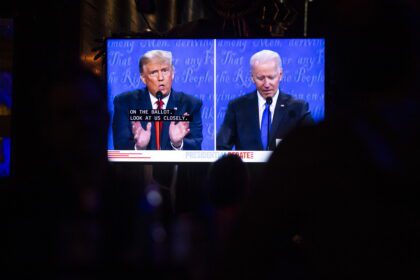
(269, 100)
(159, 95)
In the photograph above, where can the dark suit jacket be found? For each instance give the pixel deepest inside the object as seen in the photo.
(241, 128)
(139, 99)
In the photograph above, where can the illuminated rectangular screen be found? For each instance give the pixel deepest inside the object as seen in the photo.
(213, 93)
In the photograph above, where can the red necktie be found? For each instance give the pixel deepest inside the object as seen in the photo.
(158, 125)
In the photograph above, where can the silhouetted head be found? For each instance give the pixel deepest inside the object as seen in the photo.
(228, 181)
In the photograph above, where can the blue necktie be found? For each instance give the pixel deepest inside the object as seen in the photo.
(265, 125)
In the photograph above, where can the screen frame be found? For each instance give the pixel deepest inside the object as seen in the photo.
(147, 36)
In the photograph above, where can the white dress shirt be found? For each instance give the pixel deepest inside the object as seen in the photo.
(261, 106)
(153, 99)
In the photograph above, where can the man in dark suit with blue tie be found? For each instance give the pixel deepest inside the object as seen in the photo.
(157, 73)
(261, 119)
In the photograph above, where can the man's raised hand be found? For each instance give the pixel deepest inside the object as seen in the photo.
(178, 131)
(141, 136)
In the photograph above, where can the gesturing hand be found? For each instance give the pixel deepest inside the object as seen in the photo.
(141, 136)
(178, 131)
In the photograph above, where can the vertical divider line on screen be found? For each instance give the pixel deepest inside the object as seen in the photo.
(214, 94)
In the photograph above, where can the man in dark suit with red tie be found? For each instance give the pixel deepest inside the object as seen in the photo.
(157, 73)
(261, 119)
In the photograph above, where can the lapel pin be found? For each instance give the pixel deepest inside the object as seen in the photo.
(281, 105)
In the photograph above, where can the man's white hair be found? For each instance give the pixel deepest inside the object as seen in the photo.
(265, 56)
(160, 55)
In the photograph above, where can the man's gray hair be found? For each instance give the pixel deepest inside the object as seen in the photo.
(160, 55)
(265, 56)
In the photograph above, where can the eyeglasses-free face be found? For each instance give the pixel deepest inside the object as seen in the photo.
(158, 76)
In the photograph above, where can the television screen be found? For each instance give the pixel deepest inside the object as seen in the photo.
(195, 100)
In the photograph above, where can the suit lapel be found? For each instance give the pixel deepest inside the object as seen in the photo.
(164, 140)
(253, 112)
(144, 103)
(279, 112)
(144, 100)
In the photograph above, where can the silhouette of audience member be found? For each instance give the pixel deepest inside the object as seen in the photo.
(228, 182)
(228, 189)
(53, 220)
(199, 237)
(339, 200)
(76, 126)
(332, 206)
(75, 134)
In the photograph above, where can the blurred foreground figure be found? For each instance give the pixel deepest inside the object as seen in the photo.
(228, 190)
(76, 135)
(340, 200)
(53, 215)
(76, 128)
(228, 182)
(198, 237)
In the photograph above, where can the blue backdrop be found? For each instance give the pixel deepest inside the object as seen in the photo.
(303, 72)
(193, 61)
